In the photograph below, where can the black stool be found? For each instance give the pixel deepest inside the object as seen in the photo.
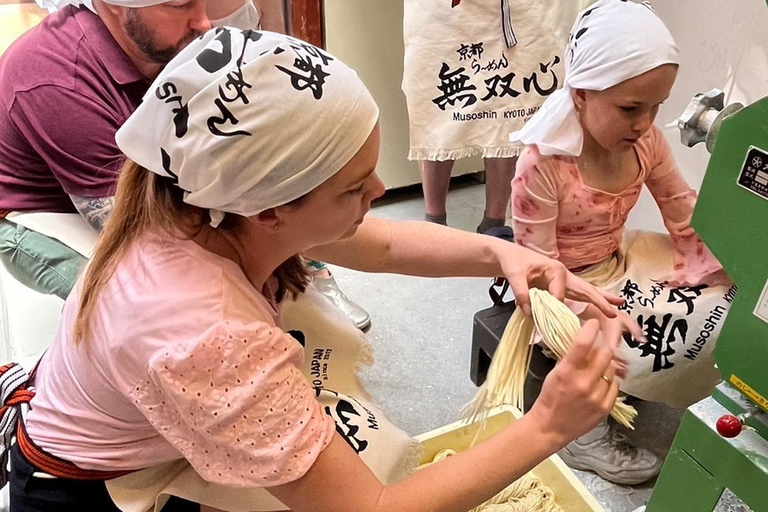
(487, 328)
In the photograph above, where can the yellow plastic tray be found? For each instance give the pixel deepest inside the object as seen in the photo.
(570, 493)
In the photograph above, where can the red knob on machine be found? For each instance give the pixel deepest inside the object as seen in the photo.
(729, 426)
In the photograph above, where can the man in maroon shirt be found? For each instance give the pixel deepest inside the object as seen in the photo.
(66, 86)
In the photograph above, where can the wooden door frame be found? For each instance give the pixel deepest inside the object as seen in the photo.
(304, 19)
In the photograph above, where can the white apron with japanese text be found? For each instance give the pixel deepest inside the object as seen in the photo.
(676, 366)
(475, 70)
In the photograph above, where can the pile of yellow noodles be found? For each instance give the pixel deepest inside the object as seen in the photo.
(527, 494)
(505, 382)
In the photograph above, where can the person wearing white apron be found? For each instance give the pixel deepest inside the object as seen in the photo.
(173, 364)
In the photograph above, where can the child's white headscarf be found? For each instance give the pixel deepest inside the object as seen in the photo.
(611, 41)
(245, 121)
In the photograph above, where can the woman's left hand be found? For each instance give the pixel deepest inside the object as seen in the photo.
(524, 268)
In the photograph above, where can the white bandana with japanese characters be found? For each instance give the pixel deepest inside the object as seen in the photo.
(612, 41)
(244, 121)
(53, 5)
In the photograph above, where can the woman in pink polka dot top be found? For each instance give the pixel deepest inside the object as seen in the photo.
(170, 348)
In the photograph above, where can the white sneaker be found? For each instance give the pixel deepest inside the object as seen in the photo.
(608, 453)
(328, 287)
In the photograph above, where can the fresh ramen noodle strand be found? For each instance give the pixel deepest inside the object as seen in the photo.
(505, 382)
(558, 325)
(527, 494)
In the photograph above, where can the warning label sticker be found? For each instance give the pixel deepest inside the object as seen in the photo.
(754, 172)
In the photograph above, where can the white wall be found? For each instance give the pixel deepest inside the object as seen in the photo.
(723, 44)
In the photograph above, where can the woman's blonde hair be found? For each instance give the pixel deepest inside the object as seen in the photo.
(145, 202)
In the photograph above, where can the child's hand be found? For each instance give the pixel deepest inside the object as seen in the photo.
(615, 326)
(612, 329)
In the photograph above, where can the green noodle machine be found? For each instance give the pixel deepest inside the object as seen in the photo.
(722, 442)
